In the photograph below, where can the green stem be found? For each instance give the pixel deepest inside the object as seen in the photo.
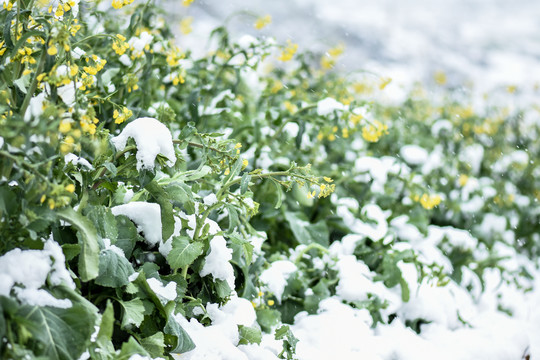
(90, 37)
(295, 115)
(308, 248)
(33, 85)
(184, 272)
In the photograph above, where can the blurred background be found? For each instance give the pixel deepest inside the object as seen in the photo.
(488, 44)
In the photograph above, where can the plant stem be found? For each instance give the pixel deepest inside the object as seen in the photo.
(33, 85)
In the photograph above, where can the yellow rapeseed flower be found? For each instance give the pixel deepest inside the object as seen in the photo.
(288, 52)
(185, 25)
(262, 21)
(70, 188)
(373, 132)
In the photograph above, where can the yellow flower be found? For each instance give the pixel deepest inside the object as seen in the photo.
(42, 200)
(440, 77)
(187, 2)
(262, 22)
(185, 25)
(463, 179)
(429, 201)
(245, 163)
(288, 52)
(174, 56)
(384, 82)
(270, 302)
(120, 45)
(70, 188)
(327, 179)
(372, 132)
(65, 126)
(52, 50)
(51, 204)
(237, 147)
(290, 107)
(311, 194)
(118, 4)
(328, 60)
(121, 117)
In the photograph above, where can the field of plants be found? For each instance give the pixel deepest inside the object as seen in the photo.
(254, 202)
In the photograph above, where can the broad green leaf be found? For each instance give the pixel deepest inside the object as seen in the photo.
(183, 252)
(222, 288)
(89, 258)
(130, 348)
(114, 269)
(249, 335)
(305, 232)
(133, 312)
(179, 338)
(268, 318)
(59, 333)
(127, 235)
(154, 344)
(104, 221)
(167, 218)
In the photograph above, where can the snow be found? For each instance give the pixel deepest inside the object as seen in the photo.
(147, 217)
(151, 137)
(413, 154)
(275, 277)
(77, 160)
(217, 261)
(210, 200)
(165, 293)
(328, 105)
(25, 271)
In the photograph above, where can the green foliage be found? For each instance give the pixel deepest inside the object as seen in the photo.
(252, 157)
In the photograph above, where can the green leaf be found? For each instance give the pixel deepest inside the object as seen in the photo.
(279, 194)
(133, 312)
(89, 258)
(107, 324)
(268, 318)
(222, 288)
(179, 338)
(104, 221)
(305, 232)
(167, 218)
(183, 252)
(244, 183)
(154, 344)
(114, 269)
(23, 83)
(59, 333)
(405, 292)
(249, 335)
(127, 235)
(130, 348)
(235, 170)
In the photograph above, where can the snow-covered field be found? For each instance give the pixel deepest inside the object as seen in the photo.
(483, 45)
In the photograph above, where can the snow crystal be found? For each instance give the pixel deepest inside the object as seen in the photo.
(167, 293)
(413, 154)
(275, 277)
(328, 105)
(217, 261)
(151, 137)
(26, 271)
(146, 215)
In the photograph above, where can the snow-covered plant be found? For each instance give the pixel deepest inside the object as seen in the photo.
(153, 203)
